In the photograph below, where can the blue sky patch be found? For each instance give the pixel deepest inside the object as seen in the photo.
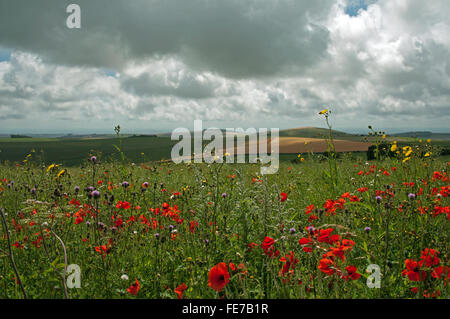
(109, 72)
(5, 54)
(353, 6)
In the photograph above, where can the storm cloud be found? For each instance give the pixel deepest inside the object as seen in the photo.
(158, 64)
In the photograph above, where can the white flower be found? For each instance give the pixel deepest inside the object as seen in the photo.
(124, 277)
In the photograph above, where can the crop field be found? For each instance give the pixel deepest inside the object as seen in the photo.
(334, 228)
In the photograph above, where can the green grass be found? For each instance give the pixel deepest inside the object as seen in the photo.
(211, 228)
(73, 152)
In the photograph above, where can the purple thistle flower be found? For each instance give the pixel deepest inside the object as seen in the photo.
(125, 184)
(96, 194)
(224, 195)
(77, 189)
(93, 159)
(378, 198)
(367, 229)
(292, 230)
(411, 196)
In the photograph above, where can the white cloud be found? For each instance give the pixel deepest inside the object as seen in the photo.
(388, 66)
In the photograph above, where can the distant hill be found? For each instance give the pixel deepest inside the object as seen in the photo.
(425, 134)
(86, 136)
(143, 135)
(314, 132)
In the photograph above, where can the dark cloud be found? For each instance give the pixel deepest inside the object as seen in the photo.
(236, 38)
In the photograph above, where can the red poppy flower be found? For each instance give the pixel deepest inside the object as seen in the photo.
(268, 247)
(306, 243)
(351, 270)
(309, 209)
(179, 290)
(283, 197)
(413, 271)
(218, 277)
(325, 265)
(124, 205)
(134, 288)
(267, 243)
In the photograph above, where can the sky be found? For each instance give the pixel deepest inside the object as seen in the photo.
(156, 65)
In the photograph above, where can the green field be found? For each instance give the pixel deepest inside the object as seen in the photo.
(75, 151)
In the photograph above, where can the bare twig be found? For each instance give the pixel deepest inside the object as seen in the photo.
(11, 256)
(65, 264)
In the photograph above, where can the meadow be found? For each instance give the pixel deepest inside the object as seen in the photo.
(325, 225)
(322, 227)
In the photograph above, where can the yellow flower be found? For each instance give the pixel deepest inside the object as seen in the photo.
(50, 167)
(227, 154)
(393, 147)
(60, 173)
(302, 159)
(428, 154)
(323, 111)
(384, 136)
(406, 159)
(428, 141)
(407, 150)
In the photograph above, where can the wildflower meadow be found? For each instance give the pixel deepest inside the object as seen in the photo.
(321, 227)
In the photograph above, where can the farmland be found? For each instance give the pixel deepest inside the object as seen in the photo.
(138, 149)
